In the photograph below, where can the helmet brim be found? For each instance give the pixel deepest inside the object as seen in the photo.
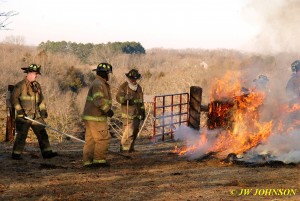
(27, 70)
(133, 78)
(101, 70)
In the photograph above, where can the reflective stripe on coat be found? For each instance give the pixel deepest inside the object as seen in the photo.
(24, 98)
(98, 101)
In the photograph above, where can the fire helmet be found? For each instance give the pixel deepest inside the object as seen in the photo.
(295, 66)
(32, 68)
(104, 67)
(261, 78)
(133, 74)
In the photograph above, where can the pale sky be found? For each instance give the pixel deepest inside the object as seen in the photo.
(173, 24)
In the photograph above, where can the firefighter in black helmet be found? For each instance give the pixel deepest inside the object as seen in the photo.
(261, 83)
(28, 100)
(130, 96)
(293, 93)
(293, 85)
(96, 110)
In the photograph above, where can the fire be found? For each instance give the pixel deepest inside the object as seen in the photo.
(246, 131)
(289, 118)
(236, 110)
(293, 108)
(183, 150)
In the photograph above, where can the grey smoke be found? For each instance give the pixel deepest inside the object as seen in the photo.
(279, 21)
(191, 137)
(283, 147)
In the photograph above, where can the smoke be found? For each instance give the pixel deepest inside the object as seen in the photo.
(283, 143)
(282, 147)
(167, 123)
(201, 141)
(279, 21)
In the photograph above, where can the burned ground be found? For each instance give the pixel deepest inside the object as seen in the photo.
(153, 173)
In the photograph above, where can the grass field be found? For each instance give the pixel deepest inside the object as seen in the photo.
(154, 172)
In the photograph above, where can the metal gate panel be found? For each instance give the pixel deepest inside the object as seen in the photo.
(170, 110)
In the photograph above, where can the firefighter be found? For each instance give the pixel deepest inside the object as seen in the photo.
(28, 100)
(265, 110)
(293, 85)
(261, 83)
(97, 109)
(130, 96)
(293, 93)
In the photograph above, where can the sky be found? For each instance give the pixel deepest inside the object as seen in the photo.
(175, 24)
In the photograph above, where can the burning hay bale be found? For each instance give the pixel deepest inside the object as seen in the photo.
(234, 128)
(219, 115)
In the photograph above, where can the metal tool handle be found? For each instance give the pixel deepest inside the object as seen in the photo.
(71, 136)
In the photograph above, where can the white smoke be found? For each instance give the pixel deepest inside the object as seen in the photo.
(186, 134)
(192, 138)
(282, 147)
(167, 123)
(279, 24)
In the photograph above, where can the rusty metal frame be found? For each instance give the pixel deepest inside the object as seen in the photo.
(181, 105)
(10, 116)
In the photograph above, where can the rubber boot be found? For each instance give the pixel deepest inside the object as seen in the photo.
(49, 154)
(16, 156)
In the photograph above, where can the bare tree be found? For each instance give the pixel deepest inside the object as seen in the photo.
(4, 16)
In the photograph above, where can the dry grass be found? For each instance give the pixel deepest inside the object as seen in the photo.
(164, 72)
(153, 173)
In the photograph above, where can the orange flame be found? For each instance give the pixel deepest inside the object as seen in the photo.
(183, 150)
(289, 120)
(232, 103)
(246, 131)
(236, 110)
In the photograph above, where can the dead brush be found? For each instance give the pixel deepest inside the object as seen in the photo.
(180, 69)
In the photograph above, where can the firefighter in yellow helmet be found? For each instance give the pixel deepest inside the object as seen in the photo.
(130, 96)
(97, 109)
(28, 100)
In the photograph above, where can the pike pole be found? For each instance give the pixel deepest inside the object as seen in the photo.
(71, 136)
(144, 121)
(127, 105)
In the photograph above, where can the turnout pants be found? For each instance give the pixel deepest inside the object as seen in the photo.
(130, 132)
(97, 139)
(22, 128)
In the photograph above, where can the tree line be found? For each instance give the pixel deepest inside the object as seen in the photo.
(84, 51)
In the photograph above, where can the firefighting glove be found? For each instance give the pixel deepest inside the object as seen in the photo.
(128, 97)
(143, 115)
(110, 113)
(44, 114)
(21, 114)
(131, 102)
(34, 86)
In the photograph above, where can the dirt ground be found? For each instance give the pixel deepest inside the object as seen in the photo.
(153, 173)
